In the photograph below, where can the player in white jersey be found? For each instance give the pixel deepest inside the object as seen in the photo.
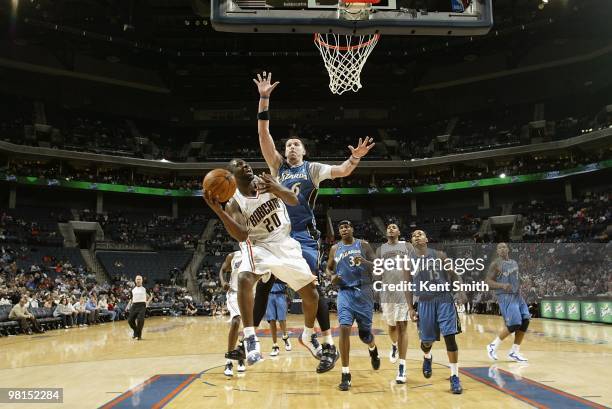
(394, 304)
(231, 264)
(257, 218)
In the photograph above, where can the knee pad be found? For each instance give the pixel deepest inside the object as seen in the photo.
(451, 344)
(513, 328)
(426, 346)
(524, 325)
(365, 335)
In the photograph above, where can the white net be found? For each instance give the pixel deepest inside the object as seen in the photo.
(344, 57)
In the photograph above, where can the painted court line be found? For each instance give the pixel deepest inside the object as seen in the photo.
(529, 391)
(156, 392)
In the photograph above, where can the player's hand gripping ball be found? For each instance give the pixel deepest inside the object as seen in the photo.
(220, 183)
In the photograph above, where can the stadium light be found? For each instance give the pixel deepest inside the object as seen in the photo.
(502, 175)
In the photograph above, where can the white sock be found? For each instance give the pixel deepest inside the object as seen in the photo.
(329, 339)
(454, 369)
(496, 342)
(515, 348)
(428, 355)
(307, 332)
(228, 361)
(345, 369)
(372, 349)
(248, 331)
(403, 362)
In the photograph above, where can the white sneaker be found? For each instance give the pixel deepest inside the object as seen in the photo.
(253, 353)
(229, 369)
(393, 354)
(275, 350)
(312, 345)
(517, 357)
(241, 366)
(401, 375)
(492, 352)
(287, 343)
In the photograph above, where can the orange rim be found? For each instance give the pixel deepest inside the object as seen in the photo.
(318, 39)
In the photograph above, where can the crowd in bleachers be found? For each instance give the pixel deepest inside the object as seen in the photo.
(60, 294)
(412, 177)
(158, 231)
(583, 220)
(107, 134)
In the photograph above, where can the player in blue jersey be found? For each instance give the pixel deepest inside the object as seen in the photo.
(277, 311)
(436, 307)
(349, 267)
(303, 177)
(503, 277)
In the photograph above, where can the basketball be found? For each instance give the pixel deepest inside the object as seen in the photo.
(221, 183)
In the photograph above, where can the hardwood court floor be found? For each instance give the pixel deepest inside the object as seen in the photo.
(179, 364)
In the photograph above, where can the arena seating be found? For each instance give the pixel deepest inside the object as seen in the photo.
(156, 265)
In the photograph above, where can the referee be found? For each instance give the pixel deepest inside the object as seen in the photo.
(137, 307)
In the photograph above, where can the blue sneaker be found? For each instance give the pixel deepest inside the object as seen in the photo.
(427, 367)
(455, 385)
(253, 355)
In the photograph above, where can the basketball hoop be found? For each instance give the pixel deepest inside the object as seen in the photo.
(345, 55)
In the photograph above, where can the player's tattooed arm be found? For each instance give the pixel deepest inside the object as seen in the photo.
(368, 260)
(266, 143)
(494, 271)
(330, 270)
(231, 217)
(226, 266)
(454, 277)
(269, 184)
(348, 166)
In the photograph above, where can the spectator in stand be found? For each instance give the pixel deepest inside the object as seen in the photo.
(81, 312)
(191, 310)
(103, 309)
(92, 307)
(21, 314)
(65, 311)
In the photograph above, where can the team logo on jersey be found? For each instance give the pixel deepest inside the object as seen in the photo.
(287, 176)
(265, 209)
(347, 253)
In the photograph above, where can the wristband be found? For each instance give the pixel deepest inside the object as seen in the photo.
(264, 115)
(261, 97)
(354, 157)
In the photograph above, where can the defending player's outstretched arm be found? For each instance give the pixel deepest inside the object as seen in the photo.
(348, 166)
(265, 87)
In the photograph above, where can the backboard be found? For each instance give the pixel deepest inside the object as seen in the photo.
(395, 17)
